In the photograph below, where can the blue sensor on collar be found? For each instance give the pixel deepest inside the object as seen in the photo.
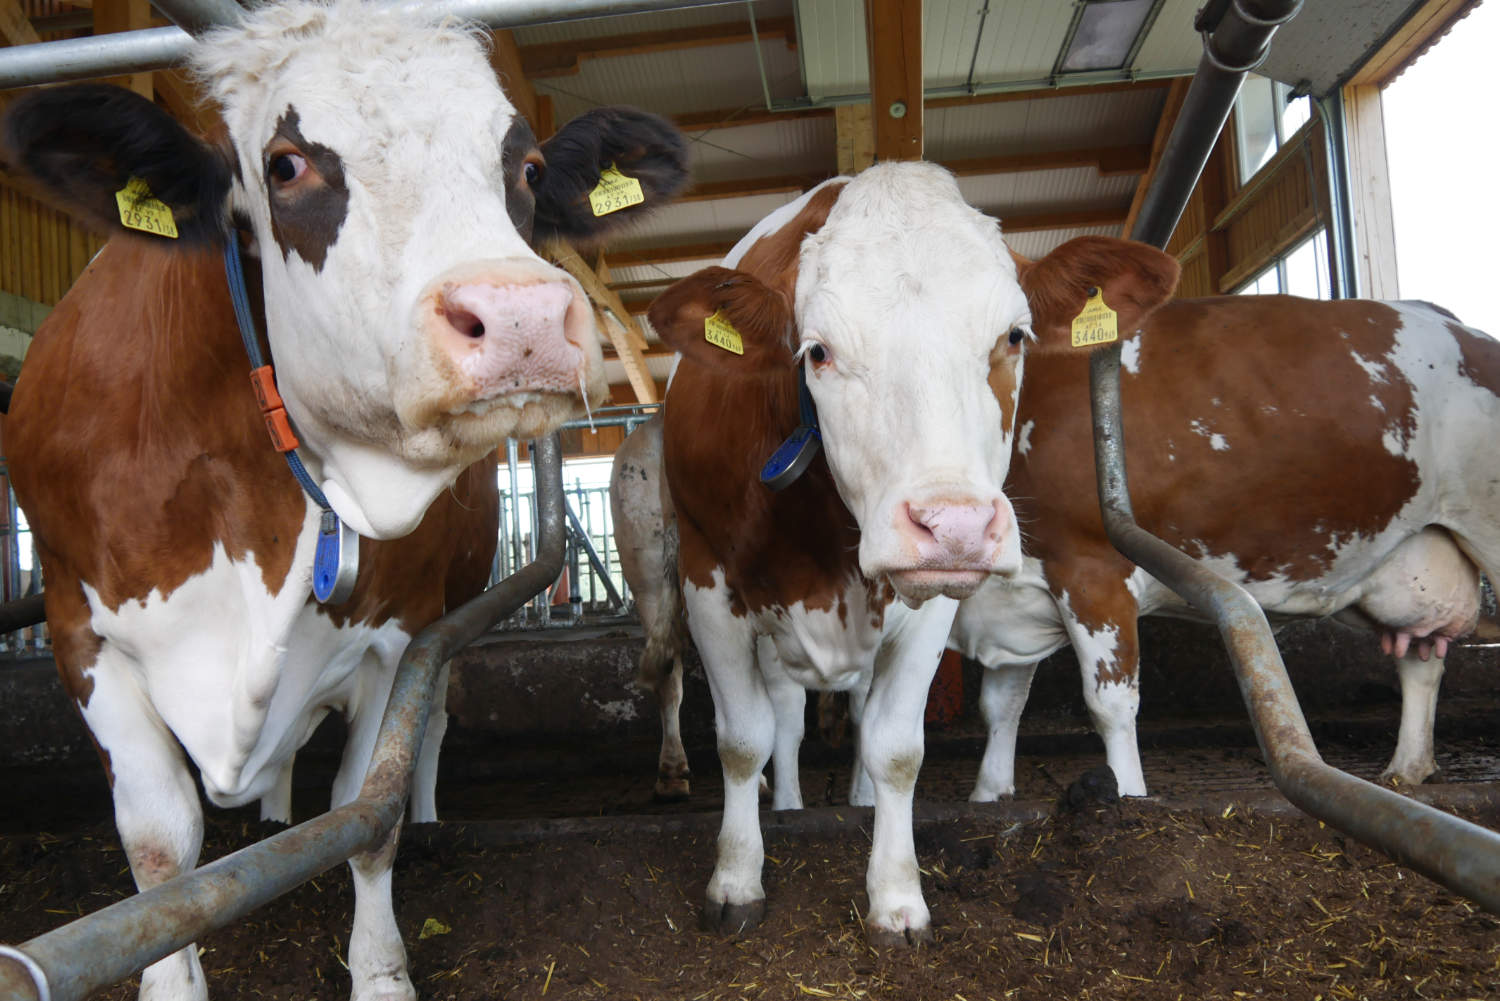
(335, 560)
(791, 458)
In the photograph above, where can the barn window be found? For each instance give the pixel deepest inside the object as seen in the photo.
(1265, 116)
(1303, 271)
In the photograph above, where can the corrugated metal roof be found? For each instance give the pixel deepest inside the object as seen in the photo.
(1077, 188)
(629, 24)
(1022, 40)
(791, 146)
(1074, 121)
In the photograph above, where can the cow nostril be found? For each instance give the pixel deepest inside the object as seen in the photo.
(465, 323)
(918, 518)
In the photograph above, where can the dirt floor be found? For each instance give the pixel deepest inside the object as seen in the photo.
(1213, 889)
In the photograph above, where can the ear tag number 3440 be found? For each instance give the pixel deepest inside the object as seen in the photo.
(1096, 324)
(718, 331)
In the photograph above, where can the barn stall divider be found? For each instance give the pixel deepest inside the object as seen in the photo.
(129, 935)
(109, 945)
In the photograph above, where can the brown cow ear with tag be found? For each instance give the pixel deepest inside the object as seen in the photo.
(1093, 290)
(726, 320)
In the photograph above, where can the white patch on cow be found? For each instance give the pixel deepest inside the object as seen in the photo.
(1376, 370)
(1023, 441)
(1392, 440)
(1269, 409)
(1218, 442)
(825, 649)
(369, 379)
(243, 696)
(1375, 402)
(1130, 355)
(902, 254)
(773, 222)
(1009, 622)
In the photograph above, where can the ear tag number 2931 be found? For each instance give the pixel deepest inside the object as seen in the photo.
(139, 210)
(614, 192)
(1097, 324)
(718, 331)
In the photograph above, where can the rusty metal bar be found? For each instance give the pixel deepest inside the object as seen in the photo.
(73, 961)
(22, 612)
(1462, 856)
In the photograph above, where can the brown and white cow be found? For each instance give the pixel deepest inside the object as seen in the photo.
(386, 193)
(907, 314)
(1334, 458)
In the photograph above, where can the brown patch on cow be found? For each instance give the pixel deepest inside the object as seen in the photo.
(307, 218)
(1479, 357)
(775, 548)
(455, 544)
(136, 447)
(1272, 375)
(1005, 361)
(518, 146)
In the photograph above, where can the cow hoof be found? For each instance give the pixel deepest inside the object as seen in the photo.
(1410, 777)
(900, 938)
(732, 919)
(672, 790)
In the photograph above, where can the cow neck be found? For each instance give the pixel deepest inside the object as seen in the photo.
(793, 456)
(336, 558)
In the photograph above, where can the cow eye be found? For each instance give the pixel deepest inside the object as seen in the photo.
(818, 353)
(286, 168)
(533, 172)
(1017, 335)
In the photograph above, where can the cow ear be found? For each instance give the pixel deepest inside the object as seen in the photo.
(77, 146)
(1133, 279)
(726, 320)
(647, 151)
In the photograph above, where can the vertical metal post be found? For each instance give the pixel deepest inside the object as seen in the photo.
(1343, 264)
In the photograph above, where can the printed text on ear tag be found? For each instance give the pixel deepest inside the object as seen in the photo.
(719, 332)
(138, 210)
(614, 192)
(1096, 324)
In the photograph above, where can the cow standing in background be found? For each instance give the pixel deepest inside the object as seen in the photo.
(1334, 458)
(906, 315)
(385, 193)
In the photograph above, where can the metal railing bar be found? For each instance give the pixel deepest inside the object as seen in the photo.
(111, 944)
(587, 545)
(1461, 856)
(21, 613)
(158, 48)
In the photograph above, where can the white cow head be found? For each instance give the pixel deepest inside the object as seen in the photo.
(910, 317)
(390, 192)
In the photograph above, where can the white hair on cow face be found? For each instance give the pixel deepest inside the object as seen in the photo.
(908, 288)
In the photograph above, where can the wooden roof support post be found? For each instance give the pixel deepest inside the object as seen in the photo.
(624, 332)
(1370, 193)
(854, 128)
(15, 28)
(125, 15)
(893, 30)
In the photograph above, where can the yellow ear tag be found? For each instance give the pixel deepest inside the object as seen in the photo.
(1097, 323)
(614, 192)
(719, 332)
(138, 210)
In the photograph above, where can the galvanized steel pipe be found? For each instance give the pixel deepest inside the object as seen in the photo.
(1462, 856)
(77, 959)
(157, 48)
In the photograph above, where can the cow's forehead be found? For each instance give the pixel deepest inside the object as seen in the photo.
(349, 70)
(901, 237)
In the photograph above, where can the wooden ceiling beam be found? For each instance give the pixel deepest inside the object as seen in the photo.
(1037, 222)
(893, 31)
(671, 254)
(1042, 93)
(854, 138)
(733, 118)
(1110, 161)
(565, 58)
(125, 15)
(751, 186)
(619, 323)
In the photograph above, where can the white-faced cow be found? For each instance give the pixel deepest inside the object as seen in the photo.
(903, 310)
(1334, 458)
(385, 192)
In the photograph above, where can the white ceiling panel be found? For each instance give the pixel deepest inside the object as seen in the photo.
(1043, 242)
(792, 146)
(1172, 46)
(1021, 40)
(1059, 122)
(630, 24)
(831, 45)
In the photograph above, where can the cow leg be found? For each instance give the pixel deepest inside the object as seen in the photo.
(890, 746)
(157, 810)
(789, 704)
(377, 957)
(276, 804)
(1413, 761)
(673, 776)
(861, 789)
(1002, 696)
(746, 724)
(1108, 657)
(423, 806)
